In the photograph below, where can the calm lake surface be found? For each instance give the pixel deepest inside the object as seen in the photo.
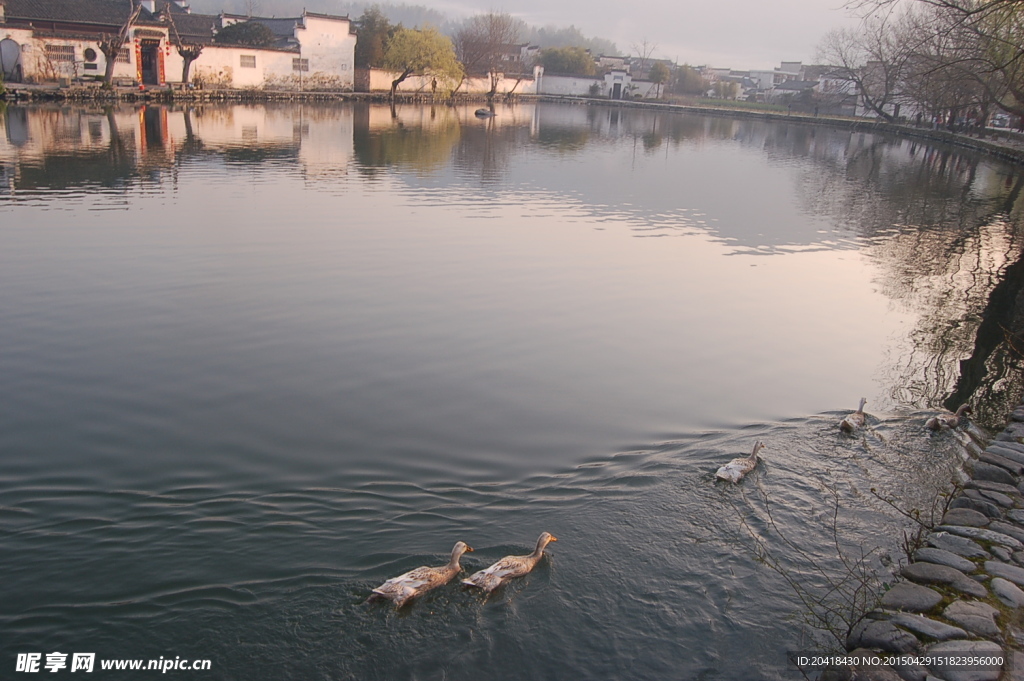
(258, 359)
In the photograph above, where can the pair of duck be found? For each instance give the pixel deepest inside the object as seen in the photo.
(945, 420)
(735, 470)
(403, 588)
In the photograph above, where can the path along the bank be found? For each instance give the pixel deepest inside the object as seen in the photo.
(958, 614)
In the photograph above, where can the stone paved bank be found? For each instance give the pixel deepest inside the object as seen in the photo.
(964, 591)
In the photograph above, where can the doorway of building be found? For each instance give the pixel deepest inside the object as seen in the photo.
(617, 91)
(10, 60)
(149, 64)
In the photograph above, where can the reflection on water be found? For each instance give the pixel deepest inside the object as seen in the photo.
(258, 359)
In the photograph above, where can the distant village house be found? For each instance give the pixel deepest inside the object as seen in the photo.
(59, 41)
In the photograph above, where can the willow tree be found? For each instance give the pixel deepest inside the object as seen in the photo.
(422, 52)
(658, 75)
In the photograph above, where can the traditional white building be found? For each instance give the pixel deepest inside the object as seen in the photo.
(59, 41)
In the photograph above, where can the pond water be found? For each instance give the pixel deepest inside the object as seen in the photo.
(258, 359)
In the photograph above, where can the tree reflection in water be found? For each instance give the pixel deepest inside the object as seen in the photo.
(943, 226)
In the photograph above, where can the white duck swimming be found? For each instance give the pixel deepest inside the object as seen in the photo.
(947, 419)
(855, 420)
(403, 588)
(737, 468)
(508, 567)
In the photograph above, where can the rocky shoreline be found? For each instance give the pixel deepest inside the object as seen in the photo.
(963, 592)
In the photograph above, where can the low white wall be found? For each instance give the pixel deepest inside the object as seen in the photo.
(380, 81)
(221, 66)
(579, 86)
(568, 85)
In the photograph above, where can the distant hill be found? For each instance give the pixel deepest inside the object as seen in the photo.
(413, 16)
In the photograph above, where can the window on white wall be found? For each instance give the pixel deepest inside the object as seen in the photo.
(247, 61)
(125, 55)
(60, 52)
(300, 65)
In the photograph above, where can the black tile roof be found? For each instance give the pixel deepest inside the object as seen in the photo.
(95, 12)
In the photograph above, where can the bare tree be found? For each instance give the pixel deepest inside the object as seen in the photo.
(110, 45)
(874, 58)
(189, 52)
(985, 43)
(643, 52)
(485, 45)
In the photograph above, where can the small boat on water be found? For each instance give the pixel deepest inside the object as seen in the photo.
(484, 113)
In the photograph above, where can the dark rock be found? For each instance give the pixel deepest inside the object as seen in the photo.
(965, 516)
(1012, 446)
(961, 546)
(986, 471)
(882, 635)
(911, 597)
(1016, 515)
(1011, 572)
(1013, 467)
(876, 674)
(930, 573)
(1001, 552)
(1008, 592)
(953, 649)
(1005, 437)
(926, 626)
(911, 672)
(978, 618)
(1007, 528)
(1016, 666)
(1018, 557)
(948, 558)
(1017, 414)
(993, 486)
(983, 534)
(997, 497)
(980, 504)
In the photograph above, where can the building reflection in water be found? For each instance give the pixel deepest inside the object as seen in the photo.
(943, 228)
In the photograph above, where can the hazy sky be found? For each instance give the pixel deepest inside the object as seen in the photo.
(739, 34)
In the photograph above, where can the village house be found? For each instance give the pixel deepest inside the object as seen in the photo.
(59, 41)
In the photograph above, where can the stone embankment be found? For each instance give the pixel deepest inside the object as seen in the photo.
(963, 594)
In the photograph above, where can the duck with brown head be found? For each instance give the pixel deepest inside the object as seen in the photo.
(737, 468)
(855, 420)
(403, 588)
(947, 420)
(509, 567)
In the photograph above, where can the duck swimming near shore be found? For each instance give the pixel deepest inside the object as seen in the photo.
(509, 567)
(947, 420)
(737, 468)
(403, 588)
(855, 420)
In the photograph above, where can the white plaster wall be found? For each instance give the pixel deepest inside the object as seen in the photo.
(38, 67)
(568, 85)
(330, 47)
(220, 66)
